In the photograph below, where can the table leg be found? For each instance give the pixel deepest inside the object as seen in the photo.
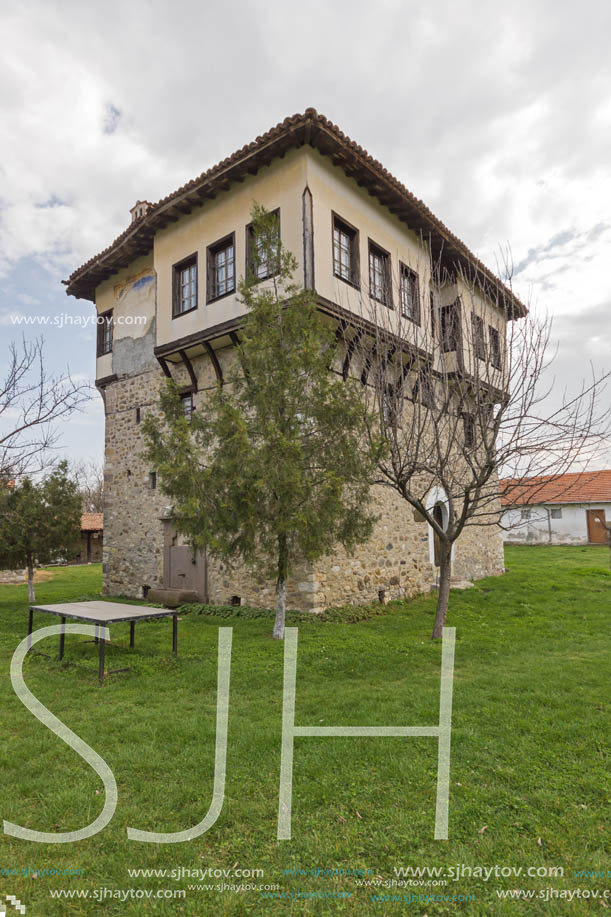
(62, 638)
(132, 628)
(101, 660)
(30, 627)
(175, 634)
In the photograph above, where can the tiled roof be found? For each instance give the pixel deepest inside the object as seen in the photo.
(300, 129)
(578, 487)
(92, 522)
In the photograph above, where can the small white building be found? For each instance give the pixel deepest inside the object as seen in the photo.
(571, 509)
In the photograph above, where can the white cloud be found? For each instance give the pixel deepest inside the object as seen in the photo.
(499, 117)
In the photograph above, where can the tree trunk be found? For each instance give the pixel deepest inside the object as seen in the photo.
(281, 588)
(443, 595)
(31, 595)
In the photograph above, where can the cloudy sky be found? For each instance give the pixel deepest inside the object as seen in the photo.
(497, 115)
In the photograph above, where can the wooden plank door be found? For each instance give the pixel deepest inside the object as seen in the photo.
(597, 533)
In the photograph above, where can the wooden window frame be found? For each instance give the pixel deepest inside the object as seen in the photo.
(468, 420)
(407, 273)
(496, 356)
(377, 250)
(187, 397)
(212, 294)
(107, 323)
(250, 274)
(478, 336)
(423, 392)
(353, 233)
(443, 330)
(190, 261)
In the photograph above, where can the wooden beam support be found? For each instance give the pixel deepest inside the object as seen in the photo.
(352, 345)
(164, 365)
(215, 362)
(368, 361)
(187, 362)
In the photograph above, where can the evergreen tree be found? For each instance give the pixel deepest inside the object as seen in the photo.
(39, 522)
(275, 468)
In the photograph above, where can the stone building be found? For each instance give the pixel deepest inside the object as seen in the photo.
(165, 294)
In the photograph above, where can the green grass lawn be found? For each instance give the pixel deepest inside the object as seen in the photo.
(529, 782)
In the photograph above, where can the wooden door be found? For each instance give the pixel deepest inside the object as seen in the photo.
(184, 568)
(597, 533)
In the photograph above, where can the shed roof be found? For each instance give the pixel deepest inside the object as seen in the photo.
(92, 522)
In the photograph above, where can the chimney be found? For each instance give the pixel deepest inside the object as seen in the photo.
(139, 209)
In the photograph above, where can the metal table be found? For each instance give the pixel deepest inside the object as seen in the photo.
(103, 614)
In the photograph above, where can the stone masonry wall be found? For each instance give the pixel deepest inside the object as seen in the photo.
(133, 531)
(396, 559)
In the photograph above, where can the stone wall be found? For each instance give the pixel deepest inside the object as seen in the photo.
(397, 559)
(133, 531)
(12, 577)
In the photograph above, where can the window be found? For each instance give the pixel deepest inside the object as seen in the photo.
(495, 346)
(409, 294)
(187, 405)
(556, 513)
(221, 268)
(104, 333)
(423, 389)
(184, 295)
(469, 429)
(379, 275)
(450, 327)
(138, 415)
(525, 514)
(345, 252)
(477, 336)
(262, 253)
(153, 480)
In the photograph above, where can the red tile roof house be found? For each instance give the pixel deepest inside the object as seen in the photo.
(572, 509)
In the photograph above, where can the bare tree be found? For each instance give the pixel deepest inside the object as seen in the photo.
(461, 377)
(89, 477)
(31, 400)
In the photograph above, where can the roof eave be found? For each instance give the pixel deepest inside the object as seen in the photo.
(312, 129)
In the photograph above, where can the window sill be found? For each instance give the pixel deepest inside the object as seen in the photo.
(214, 299)
(382, 302)
(186, 312)
(351, 283)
